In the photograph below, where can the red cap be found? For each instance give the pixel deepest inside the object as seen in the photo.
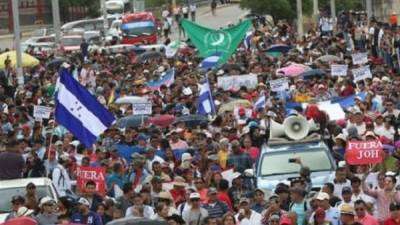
(242, 111)
(285, 221)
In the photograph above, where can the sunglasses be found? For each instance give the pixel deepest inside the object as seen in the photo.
(195, 200)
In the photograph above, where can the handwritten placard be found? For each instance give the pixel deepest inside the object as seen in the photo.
(41, 112)
(339, 70)
(361, 73)
(235, 82)
(360, 58)
(279, 84)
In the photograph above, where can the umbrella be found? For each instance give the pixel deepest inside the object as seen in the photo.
(20, 221)
(134, 221)
(231, 66)
(27, 60)
(132, 121)
(149, 55)
(312, 73)
(328, 58)
(131, 100)
(292, 70)
(279, 48)
(162, 120)
(230, 106)
(56, 62)
(192, 120)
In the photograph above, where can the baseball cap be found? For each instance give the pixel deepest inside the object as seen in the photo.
(83, 201)
(322, 196)
(347, 209)
(212, 190)
(46, 200)
(346, 190)
(194, 195)
(18, 199)
(244, 199)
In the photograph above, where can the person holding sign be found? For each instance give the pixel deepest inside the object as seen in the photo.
(383, 196)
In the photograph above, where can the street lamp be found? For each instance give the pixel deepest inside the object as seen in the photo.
(17, 43)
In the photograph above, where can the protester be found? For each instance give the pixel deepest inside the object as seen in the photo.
(198, 149)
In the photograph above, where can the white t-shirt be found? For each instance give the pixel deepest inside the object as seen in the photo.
(255, 219)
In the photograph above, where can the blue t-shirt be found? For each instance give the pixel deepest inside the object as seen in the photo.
(91, 219)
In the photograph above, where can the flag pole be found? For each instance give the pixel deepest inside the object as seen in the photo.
(51, 139)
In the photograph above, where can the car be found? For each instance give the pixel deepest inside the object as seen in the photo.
(70, 44)
(9, 188)
(275, 163)
(39, 49)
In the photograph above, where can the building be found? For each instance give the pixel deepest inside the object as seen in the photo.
(34, 12)
(382, 9)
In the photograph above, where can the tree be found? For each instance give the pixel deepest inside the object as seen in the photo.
(286, 9)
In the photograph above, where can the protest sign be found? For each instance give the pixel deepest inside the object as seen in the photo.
(142, 108)
(279, 84)
(360, 58)
(235, 82)
(96, 174)
(339, 70)
(364, 152)
(41, 112)
(361, 73)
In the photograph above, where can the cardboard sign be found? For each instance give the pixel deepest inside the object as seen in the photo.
(142, 108)
(235, 82)
(361, 73)
(364, 152)
(41, 112)
(279, 84)
(360, 58)
(96, 174)
(339, 70)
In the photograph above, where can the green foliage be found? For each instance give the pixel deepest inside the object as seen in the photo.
(286, 9)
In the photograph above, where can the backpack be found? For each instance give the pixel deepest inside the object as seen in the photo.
(61, 177)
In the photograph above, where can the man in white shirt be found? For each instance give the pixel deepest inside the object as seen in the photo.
(247, 216)
(193, 9)
(340, 181)
(60, 177)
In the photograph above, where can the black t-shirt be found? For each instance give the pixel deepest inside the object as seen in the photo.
(11, 165)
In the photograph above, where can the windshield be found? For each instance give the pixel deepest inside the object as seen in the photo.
(71, 41)
(278, 163)
(138, 28)
(5, 204)
(115, 11)
(38, 33)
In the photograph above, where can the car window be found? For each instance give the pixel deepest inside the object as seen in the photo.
(71, 41)
(278, 163)
(5, 204)
(38, 33)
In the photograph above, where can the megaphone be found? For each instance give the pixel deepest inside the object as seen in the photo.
(296, 127)
(276, 129)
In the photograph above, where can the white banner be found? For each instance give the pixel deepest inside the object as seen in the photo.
(235, 82)
(41, 112)
(279, 84)
(339, 70)
(142, 108)
(361, 73)
(360, 58)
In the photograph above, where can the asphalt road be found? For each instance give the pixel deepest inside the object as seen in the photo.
(224, 15)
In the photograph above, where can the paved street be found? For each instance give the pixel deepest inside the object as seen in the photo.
(225, 15)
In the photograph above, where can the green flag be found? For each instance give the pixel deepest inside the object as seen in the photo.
(209, 41)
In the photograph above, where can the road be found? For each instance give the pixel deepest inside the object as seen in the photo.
(224, 16)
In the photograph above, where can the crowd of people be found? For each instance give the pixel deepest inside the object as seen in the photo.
(174, 172)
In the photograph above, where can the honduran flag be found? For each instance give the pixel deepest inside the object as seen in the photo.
(211, 61)
(167, 79)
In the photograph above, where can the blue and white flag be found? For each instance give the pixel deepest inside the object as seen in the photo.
(205, 102)
(167, 79)
(260, 103)
(211, 61)
(247, 39)
(79, 111)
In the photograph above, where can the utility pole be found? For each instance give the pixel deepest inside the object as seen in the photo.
(369, 9)
(133, 2)
(315, 11)
(173, 4)
(104, 12)
(17, 42)
(299, 18)
(333, 9)
(55, 6)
